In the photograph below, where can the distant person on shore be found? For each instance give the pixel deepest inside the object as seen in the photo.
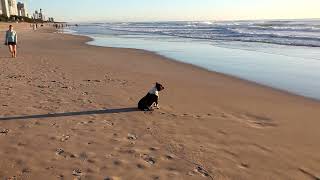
(11, 40)
(34, 27)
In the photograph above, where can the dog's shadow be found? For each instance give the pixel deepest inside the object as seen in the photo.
(67, 114)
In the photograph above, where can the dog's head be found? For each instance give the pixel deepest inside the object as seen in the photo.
(159, 87)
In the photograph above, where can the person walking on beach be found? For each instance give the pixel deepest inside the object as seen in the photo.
(11, 41)
(34, 26)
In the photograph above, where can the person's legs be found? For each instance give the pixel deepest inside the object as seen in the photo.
(14, 48)
(11, 50)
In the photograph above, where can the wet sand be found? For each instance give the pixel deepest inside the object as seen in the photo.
(68, 112)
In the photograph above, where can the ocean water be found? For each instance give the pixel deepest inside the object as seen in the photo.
(281, 54)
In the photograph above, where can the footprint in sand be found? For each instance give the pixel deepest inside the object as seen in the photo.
(61, 177)
(197, 116)
(89, 80)
(127, 151)
(25, 170)
(108, 123)
(11, 178)
(91, 161)
(85, 122)
(55, 125)
(20, 144)
(132, 137)
(62, 153)
(4, 131)
(64, 138)
(202, 171)
(169, 157)
(59, 151)
(77, 172)
(117, 162)
(148, 159)
(141, 166)
(244, 165)
(154, 149)
(154, 177)
(90, 142)
(37, 123)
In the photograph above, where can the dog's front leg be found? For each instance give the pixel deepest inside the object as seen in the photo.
(156, 105)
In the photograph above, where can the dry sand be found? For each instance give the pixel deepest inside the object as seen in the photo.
(68, 112)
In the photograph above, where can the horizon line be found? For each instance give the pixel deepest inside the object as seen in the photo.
(236, 20)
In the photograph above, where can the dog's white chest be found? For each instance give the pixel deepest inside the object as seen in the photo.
(154, 91)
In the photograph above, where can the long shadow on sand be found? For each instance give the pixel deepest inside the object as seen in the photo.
(66, 114)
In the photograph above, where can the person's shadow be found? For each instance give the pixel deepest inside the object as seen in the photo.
(66, 114)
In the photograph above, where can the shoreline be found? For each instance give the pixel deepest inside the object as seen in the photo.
(68, 110)
(91, 39)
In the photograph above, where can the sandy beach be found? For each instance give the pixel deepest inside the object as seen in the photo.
(68, 111)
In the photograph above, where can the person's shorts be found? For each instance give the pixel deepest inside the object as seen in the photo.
(12, 43)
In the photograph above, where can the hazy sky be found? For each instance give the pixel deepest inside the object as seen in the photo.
(158, 10)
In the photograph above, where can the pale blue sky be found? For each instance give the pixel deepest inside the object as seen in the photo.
(162, 10)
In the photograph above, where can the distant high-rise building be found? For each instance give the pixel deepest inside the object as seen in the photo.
(1, 7)
(42, 17)
(13, 8)
(39, 15)
(22, 10)
(36, 15)
(4, 8)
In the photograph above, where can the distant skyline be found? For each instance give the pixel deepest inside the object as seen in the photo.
(171, 10)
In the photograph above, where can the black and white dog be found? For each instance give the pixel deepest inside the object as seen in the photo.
(151, 100)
